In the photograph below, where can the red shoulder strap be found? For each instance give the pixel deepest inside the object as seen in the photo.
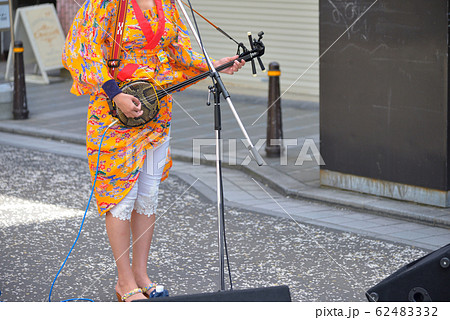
(114, 62)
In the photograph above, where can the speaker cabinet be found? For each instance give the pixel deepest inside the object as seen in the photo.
(426, 279)
(269, 294)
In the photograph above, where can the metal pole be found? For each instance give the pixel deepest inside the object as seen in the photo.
(219, 184)
(20, 109)
(274, 125)
(219, 88)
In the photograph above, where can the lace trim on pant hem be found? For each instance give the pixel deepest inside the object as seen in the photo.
(147, 205)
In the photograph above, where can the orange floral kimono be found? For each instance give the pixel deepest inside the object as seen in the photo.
(156, 47)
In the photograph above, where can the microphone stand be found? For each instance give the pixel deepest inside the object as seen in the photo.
(219, 89)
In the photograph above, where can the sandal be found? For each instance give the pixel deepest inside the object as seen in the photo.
(128, 294)
(158, 291)
(147, 291)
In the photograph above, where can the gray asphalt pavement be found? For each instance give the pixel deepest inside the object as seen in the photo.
(43, 196)
(282, 227)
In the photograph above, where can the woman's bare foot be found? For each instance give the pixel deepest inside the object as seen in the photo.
(144, 281)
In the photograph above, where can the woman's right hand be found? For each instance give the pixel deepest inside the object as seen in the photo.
(130, 105)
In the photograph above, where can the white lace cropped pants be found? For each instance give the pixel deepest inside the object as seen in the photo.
(143, 197)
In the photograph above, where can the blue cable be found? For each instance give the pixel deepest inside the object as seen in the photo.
(82, 222)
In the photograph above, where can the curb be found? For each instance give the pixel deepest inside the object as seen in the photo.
(349, 199)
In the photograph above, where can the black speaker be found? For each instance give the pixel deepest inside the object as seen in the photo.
(425, 279)
(269, 294)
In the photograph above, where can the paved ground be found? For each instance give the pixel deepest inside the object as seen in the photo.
(327, 245)
(43, 197)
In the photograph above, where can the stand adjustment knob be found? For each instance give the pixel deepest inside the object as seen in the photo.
(210, 92)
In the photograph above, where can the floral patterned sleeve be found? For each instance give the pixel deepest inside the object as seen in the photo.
(83, 54)
(181, 50)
